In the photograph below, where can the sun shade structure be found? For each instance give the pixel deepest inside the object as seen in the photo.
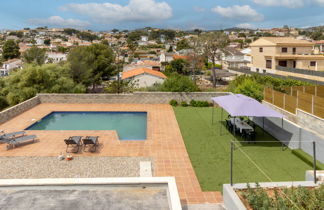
(240, 105)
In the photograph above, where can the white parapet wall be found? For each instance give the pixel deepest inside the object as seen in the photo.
(169, 182)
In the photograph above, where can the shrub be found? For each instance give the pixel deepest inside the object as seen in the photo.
(173, 102)
(3, 103)
(294, 197)
(184, 104)
(179, 83)
(194, 103)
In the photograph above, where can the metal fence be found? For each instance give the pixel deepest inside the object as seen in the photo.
(310, 99)
(301, 71)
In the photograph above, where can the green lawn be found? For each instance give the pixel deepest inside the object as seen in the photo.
(209, 151)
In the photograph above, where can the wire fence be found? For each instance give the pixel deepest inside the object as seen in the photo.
(309, 99)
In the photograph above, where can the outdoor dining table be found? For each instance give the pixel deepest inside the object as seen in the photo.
(241, 124)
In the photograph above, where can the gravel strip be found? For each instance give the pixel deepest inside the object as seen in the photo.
(80, 167)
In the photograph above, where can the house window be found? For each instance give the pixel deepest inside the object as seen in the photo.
(313, 63)
(284, 50)
(261, 49)
(294, 50)
(269, 64)
(282, 63)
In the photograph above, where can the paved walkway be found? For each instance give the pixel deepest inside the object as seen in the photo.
(164, 143)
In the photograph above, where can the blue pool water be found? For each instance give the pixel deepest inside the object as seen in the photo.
(129, 125)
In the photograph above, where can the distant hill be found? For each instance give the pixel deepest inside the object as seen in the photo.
(314, 28)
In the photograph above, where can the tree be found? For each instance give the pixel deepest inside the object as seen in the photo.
(47, 42)
(61, 49)
(87, 36)
(179, 66)
(35, 55)
(183, 44)
(90, 65)
(32, 79)
(115, 30)
(215, 44)
(10, 50)
(121, 86)
(178, 83)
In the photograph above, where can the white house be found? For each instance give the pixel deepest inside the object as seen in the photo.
(9, 66)
(166, 57)
(55, 57)
(39, 41)
(144, 77)
(144, 38)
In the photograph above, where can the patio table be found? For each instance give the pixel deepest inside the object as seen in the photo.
(241, 125)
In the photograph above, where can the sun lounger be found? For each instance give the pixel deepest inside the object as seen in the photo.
(90, 141)
(19, 140)
(7, 136)
(74, 141)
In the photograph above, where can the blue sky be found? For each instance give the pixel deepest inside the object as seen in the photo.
(178, 14)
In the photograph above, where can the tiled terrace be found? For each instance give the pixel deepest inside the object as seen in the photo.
(164, 143)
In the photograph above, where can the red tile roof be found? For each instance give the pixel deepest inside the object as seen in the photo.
(140, 71)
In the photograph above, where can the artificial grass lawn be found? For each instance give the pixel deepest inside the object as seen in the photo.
(209, 152)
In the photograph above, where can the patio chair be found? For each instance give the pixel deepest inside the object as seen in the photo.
(19, 140)
(74, 141)
(250, 136)
(229, 125)
(7, 136)
(90, 141)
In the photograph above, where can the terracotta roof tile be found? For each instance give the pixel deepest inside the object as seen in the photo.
(140, 71)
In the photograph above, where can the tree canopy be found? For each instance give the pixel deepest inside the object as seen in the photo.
(32, 79)
(90, 65)
(10, 50)
(183, 44)
(35, 55)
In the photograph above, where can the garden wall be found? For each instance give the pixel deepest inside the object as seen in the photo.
(16, 110)
(294, 136)
(135, 98)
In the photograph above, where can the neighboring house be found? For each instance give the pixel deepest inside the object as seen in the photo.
(154, 65)
(166, 57)
(144, 77)
(53, 57)
(10, 65)
(39, 41)
(270, 52)
(234, 59)
(319, 47)
(247, 54)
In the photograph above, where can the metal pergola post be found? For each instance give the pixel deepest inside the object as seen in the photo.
(220, 124)
(213, 113)
(231, 163)
(314, 156)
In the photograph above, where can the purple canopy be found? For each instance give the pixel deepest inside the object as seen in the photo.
(241, 105)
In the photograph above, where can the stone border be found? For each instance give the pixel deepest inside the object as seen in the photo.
(233, 202)
(173, 196)
(134, 98)
(16, 110)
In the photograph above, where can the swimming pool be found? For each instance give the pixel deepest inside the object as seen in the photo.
(129, 125)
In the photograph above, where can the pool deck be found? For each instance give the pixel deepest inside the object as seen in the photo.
(164, 143)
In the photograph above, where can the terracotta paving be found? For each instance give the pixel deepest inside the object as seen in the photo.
(164, 143)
